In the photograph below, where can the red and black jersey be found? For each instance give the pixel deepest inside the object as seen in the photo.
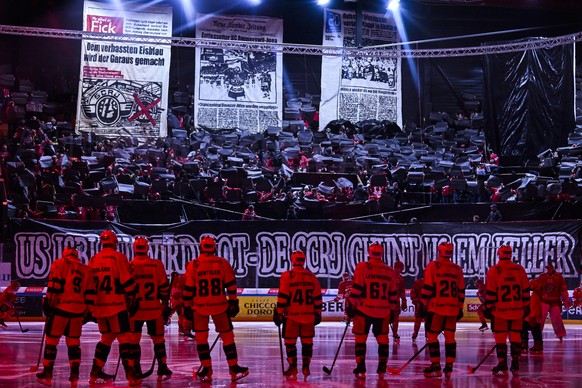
(507, 290)
(553, 288)
(207, 278)
(299, 296)
(67, 283)
(109, 284)
(444, 287)
(416, 291)
(374, 289)
(152, 287)
(481, 293)
(343, 289)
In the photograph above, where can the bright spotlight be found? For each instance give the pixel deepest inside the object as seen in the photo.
(255, 2)
(323, 2)
(393, 5)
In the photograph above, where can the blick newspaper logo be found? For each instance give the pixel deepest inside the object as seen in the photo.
(105, 24)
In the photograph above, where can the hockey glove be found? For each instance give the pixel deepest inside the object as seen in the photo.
(317, 319)
(277, 318)
(233, 308)
(488, 313)
(460, 315)
(46, 307)
(350, 310)
(422, 310)
(188, 313)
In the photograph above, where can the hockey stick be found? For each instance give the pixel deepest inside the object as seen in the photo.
(20, 324)
(325, 368)
(397, 371)
(34, 368)
(281, 350)
(117, 367)
(150, 371)
(474, 369)
(212, 347)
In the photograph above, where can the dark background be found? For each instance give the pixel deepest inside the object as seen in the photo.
(53, 64)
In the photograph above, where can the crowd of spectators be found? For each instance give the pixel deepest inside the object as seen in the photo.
(51, 172)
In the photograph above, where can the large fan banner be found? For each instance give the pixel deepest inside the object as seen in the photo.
(359, 88)
(237, 88)
(124, 86)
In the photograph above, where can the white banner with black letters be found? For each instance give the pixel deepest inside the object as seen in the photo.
(124, 86)
(359, 88)
(236, 88)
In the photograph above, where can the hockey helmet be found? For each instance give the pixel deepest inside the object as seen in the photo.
(207, 244)
(141, 246)
(504, 252)
(445, 250)
(15, 284)
(298, 258)
(70, 253)
(108, 238)
(345, 276)
(399, 266)
(375, 251)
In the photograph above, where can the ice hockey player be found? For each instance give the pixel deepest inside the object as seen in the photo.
(481, 289)
(7, 299)
(299, 310)
(207, 278)
(415, 297)
(64, 307)
(153, 292)
(506, 304)
(554, 293)
(443, 296)
(343, 291)
(111, 298)
(370, 305)
(401, 303)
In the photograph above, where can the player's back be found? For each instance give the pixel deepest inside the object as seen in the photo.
(509, 288)
(375, 288)
(71, 277)
(151, 281)
(209, 275)
(303, 292)
(444, 286)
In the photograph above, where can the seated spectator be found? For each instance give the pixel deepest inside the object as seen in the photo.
(494, 214)
(249, 214)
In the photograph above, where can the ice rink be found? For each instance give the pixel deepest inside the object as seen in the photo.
(258, 347)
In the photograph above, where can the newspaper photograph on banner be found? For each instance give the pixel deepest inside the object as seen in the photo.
(359, 88)
(236, 88)
(124, 85)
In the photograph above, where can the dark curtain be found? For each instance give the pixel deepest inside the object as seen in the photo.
(529, 102)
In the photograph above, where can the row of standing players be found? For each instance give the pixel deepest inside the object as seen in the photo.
(123, 296)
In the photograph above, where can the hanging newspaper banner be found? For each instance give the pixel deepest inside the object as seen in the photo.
(235, 88)
(124, 86)
(359, 88)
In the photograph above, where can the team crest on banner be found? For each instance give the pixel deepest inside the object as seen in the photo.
(124, 86)
(359, 88)
(238, 88)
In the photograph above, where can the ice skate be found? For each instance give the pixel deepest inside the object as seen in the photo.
(46, 376)
(74, 376)
(396, 338)
(360, 371)
(448, 369)
(3, 324)
(164, 373)
(291, 372)
(433, 370)
(306, 372)
(205, 374)
(381, 370)
(500, 369)
(537, 348)
(99, 377)
(238, 372)
(483, 328)
(414, 336)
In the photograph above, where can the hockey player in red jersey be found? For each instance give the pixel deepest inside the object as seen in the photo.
(343, 291)
(506, 304)
(554, 293)
(299, 310)
(64, 307)
(7, 299)
(370, 305)
(153, 292)
(481, 290)
(443, 296)
(207, 278)
(111, 298)
(401, 304)
(415, 298)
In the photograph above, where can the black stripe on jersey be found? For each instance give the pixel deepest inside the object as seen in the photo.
(230, 284)
(231, 292)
